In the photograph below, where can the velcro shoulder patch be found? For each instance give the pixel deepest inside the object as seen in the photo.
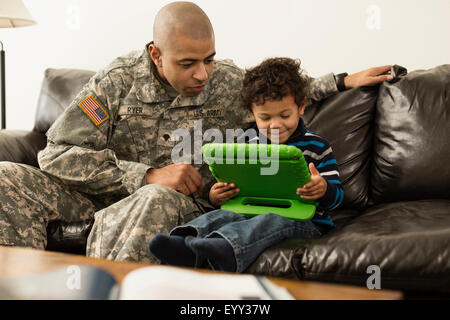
(94, 110)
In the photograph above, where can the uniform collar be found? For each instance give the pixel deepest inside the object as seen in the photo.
(151, 89)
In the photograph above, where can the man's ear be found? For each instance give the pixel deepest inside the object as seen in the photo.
(155, 54)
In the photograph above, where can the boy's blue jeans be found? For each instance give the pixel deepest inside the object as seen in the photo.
(249, 236)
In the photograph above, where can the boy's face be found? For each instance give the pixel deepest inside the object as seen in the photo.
(283, 115)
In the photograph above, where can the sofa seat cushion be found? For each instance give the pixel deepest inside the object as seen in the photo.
(408, 241)
(276, 261)
(70, 237)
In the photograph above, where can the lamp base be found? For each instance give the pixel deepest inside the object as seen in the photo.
(2, 98)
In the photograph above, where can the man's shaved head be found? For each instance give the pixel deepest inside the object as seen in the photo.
(183, 47)
(180, 19)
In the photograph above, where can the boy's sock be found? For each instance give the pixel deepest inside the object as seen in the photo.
(172, 250)
(219, 252)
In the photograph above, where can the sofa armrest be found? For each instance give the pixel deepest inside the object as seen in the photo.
(21, 146)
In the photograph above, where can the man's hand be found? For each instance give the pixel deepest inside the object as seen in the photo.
(221, 192)
(369, 77)
(316, 188)
(181, 177)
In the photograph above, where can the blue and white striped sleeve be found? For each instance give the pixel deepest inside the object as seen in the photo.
(328, 169)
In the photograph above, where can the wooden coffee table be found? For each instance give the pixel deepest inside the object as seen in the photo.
(21, 261)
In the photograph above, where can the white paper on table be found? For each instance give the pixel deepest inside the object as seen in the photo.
(171, 283)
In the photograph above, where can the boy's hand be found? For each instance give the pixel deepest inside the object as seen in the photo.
(316, 188)
(221, 192)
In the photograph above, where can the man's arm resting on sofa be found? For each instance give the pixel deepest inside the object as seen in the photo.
(327, 85)
(369, 77)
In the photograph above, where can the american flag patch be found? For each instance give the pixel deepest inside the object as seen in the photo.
(94, 110)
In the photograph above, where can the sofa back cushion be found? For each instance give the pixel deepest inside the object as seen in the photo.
(346, 121)
(408, 241)
(412, 137)
(59, 88)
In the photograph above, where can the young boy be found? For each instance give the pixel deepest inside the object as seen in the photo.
(275, 94)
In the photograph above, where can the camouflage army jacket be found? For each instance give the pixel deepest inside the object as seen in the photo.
(123, 122)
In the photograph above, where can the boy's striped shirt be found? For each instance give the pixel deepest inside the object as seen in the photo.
(317, 150)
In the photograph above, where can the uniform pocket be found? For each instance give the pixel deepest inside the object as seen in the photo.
(144, 133)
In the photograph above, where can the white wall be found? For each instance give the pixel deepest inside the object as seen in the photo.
(328, 36)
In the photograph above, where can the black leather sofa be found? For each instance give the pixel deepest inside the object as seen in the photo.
(392, 144)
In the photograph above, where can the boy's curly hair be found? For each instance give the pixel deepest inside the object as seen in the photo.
(273, 79)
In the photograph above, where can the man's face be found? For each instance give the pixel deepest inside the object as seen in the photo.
(187, 65)
(282, 115)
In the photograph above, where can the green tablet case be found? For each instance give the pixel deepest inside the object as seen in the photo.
(267, 176)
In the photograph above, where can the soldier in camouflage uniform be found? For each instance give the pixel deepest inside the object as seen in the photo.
(109, 154)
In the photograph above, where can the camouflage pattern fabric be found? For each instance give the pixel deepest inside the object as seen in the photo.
(105, 155)
(123, 230)
(29, 199)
